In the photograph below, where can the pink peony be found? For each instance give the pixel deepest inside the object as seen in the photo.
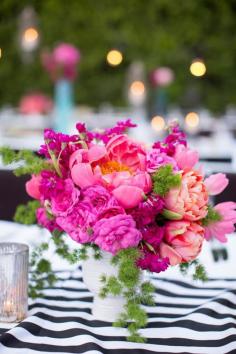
(190, 200)
(78, 224)
(155, 159)
(182, 241)
(128, 196)
(64, 198)
(116, 233)
(126, 152)
(186, 158)
(32, 186)
(215, 184)
(219, 229)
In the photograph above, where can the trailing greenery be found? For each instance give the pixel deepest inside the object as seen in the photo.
(26, 213)
(164, 179)
(128, 283)
(29, 162)
(212, 216)
(199, 270)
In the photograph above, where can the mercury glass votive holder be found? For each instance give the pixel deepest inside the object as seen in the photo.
(14, 260)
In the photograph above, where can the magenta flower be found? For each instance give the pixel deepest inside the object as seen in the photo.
(99, 198)
(152, 262)
(153, 235)
(215, 184)
(64, 198)
(219, 229)
(176, 137)
(116, 233)
(155, 159)
(44, 221)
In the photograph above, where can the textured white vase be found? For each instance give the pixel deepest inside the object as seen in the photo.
(107, 309)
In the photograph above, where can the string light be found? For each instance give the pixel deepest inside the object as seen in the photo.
(192, 120)
(114, 57)
(158, 123)
(30, 39)
(198, 67)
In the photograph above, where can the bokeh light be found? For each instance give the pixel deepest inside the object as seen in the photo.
(114, 57)
(198, 68)
(0, 53)
(158, 123)
(30, 35)
(137, 88)
(192, 120)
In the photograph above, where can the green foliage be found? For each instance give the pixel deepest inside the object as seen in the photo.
(212, 216)
(128, 283)
(164, 179)
(42, 275)
(29, 162)
(199, 270)
(26, 214)
(64, 251)
(177, 32)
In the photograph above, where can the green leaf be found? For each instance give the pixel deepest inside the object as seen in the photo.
(164, 179)
(26, 214)
(212, 216)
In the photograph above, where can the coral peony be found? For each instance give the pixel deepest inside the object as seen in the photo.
(182, 241)
(225, 225)
(215, 184)
(190, 200)
(33, 187)
(127, 152)
(116, 233)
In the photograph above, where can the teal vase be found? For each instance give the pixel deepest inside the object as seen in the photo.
(63, 105)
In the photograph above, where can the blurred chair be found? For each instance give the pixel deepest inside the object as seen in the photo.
(12, 192)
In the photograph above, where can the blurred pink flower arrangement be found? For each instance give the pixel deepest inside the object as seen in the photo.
(35, 103)
(62, 62)
(107, 190)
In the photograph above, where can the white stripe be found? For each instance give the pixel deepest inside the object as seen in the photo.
(5, 350)
(23, 335)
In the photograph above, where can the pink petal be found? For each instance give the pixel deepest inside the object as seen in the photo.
(82, 175)
(167, 251)
(216, 183)
(96, 153)
(128, 196)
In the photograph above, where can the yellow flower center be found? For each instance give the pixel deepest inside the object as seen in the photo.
(113, 166)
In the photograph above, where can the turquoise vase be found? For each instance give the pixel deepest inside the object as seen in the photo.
(63, 105)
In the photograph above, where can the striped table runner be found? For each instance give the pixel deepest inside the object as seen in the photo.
(188, 318)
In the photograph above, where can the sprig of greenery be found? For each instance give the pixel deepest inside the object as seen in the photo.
(164, 179)
(128, 284)
(199, 270)
(212, 216)
(31, 163)
(26, 213)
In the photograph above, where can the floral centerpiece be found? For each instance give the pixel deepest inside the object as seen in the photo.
(147, 207)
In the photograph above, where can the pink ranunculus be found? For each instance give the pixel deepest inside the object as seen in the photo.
(219, 229)
(156, 159)
(186, 158)
(128, 196)
(215, 184)
(116, 233)
(122, 149)
(78, 224)
(182, 241)
(65, 198)
(32, 186)
(190, 200)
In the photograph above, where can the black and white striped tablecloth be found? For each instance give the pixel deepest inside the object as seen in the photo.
(188, 318)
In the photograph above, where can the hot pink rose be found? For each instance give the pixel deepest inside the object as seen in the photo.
(99, 198)
(182, 241)
(64, 198)
(190, 200)
(127, 152)
(32, 187)
(215, 184)
(219, 229)
(116, 233)
(186, 158)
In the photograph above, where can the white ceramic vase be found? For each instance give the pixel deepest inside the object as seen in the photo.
(107, 309)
